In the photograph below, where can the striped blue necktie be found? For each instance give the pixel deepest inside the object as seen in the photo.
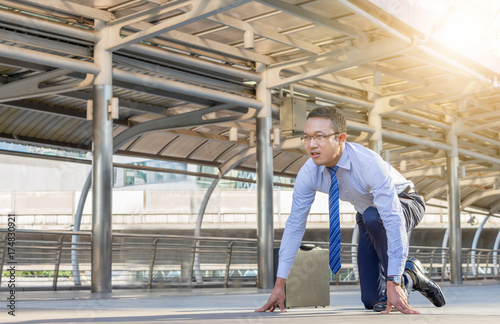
(333, 204)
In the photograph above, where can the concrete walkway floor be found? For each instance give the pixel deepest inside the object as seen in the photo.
(472, 302)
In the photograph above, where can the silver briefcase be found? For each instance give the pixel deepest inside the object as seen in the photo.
(308, 283)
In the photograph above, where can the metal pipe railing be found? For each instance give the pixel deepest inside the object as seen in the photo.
(162, 259)
(153, 259)
(58, 262)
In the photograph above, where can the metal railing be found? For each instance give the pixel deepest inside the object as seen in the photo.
(44, 260)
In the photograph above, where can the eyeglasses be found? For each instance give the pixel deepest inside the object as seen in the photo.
(319, 138)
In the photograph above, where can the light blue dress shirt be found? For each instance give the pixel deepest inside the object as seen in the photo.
(365, 180)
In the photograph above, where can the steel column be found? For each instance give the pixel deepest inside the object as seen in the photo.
(474, 244)
(354, 251)
(444, 245)
(454, 209)
(76, 228)
(102, 168)
(375, 121)
(495, 254)
(265, 232)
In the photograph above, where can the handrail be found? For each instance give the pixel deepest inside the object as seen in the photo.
(88, 233)
(167, 260)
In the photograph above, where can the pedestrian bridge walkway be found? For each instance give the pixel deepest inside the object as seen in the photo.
(472, 302)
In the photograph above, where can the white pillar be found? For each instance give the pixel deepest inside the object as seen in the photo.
(455, 232)
(265, 231)
(474, 245)
(102, 167)
(375, 121)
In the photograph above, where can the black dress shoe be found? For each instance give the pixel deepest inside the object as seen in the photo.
(428, 288)
(382, 304)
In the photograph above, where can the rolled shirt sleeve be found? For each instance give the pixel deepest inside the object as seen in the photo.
(386, 201)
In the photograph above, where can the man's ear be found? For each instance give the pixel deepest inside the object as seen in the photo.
(342, 137)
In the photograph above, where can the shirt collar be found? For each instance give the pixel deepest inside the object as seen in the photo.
(344, 162)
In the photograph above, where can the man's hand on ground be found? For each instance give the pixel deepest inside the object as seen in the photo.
(277, 297)
(397, 297)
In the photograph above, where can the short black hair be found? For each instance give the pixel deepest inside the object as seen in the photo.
(334, 114)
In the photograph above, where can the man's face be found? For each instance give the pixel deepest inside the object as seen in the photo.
(323, 152)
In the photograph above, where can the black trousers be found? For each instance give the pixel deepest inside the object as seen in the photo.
(372, 247)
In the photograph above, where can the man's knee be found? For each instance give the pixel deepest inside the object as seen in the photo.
(369, 301)
(371, 219)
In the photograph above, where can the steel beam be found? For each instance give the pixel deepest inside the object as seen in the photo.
(335, 82)
(48, 59)
(31, 87)
(193, 13)
(25, 64)
(46, 44)
(452, 91)
(332, 96)
(484, 138)
(176, 36)
(73, 8)
(487, 115)
(194, 62)
(375, 67)
(266, 32)
(54, 110)
(416, 140)
(35, 23)
(355, 56)
(467, 130)
(423, 120)
(175, 73)
(140, 106)
(201, 46)
(187, 89)
(316, 19)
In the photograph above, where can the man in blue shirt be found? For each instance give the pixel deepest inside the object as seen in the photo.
(387, 209)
